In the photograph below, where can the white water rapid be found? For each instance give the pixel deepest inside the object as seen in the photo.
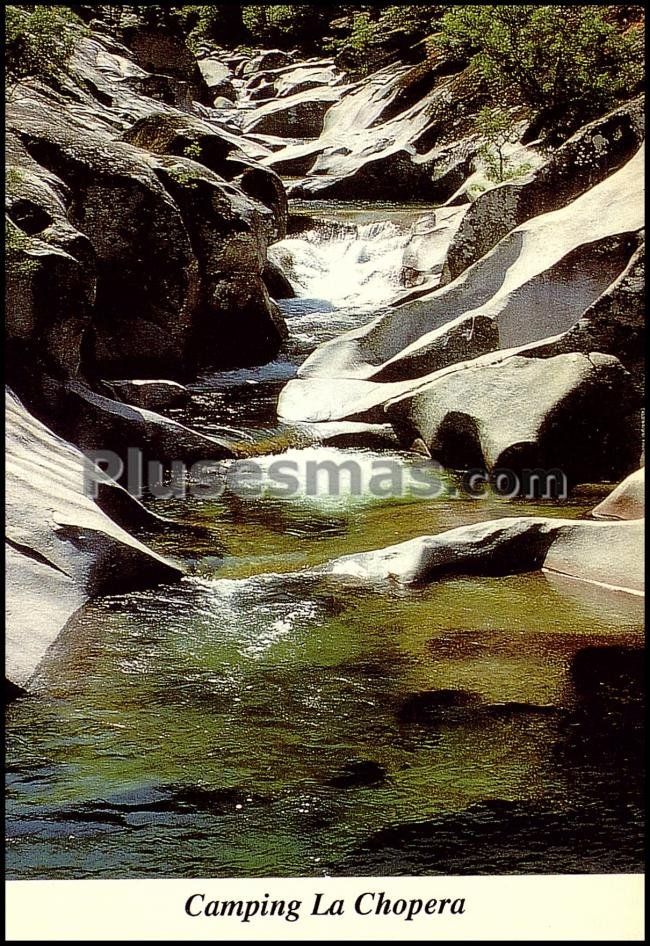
(346, 264)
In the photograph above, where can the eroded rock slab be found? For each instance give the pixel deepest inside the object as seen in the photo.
(610, 554)
(590, 155)
(627, 501)
(61, 548)
(573, 413)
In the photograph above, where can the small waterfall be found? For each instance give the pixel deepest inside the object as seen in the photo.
(347, 265)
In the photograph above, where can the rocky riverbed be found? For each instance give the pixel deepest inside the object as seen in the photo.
(254, 258)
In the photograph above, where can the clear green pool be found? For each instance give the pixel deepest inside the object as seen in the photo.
(255, 720)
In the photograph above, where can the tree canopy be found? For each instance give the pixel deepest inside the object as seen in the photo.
(566, 63)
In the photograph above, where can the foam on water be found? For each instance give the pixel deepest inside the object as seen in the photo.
(348, 265)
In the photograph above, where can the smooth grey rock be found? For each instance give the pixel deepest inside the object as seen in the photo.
(267, 59)
(466, 337)
(376, 142)
(351, 434)
(627, 501)
(424, 254)
(61, 548)
(590, 155)
(213, 71)
(298, 116)
(536, 284)
(609, 554)
(574, 413)
(615, 322)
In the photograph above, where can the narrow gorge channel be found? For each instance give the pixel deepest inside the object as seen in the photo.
(259, 719)
(290, 291)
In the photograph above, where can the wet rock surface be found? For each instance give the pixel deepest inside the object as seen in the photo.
(605, 553)
(61, 547)
(359, 773)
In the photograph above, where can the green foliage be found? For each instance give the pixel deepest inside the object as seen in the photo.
(14, 177)
(570, 61)
(362, 42)
(17, 260)
(496, 129)
(39, 40)
(286, 25)
(372, 36)
(184, 175)
(220, 23)
(193, 151)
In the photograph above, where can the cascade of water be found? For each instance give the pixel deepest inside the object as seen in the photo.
(347, 265)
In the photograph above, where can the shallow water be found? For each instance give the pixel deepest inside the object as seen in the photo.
(255, 720)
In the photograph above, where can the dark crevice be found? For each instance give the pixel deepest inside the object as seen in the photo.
(34, 555)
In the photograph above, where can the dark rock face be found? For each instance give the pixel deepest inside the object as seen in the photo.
(49, 298)
(188, 136)
(438, 706)
(132, 252)
(152, 395)
(276, 282)
(594, 152)
(297, 116)
(95, 422)
(265, 185)
(159, 51)
(50, 270)
(608, 720)
(12, 692)
(573, 412)
(380, 176)
(178, 251)
(615, 322)
(267, 59)
(154, 253)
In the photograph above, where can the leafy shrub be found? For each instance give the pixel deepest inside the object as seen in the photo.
(496, 128)
(193, 151)
(286, 25)
(39, 41)
(373, 36)
(569, 61)
(360, 48)
(218, 23)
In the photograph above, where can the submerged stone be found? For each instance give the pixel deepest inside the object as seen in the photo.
(359, 773)
(438, 706)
